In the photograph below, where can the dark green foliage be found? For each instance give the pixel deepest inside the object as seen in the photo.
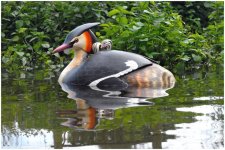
(180, 36)
(30, 30)
(157, 31)
(194, 14)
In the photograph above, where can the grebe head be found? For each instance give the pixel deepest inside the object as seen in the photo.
(80, 38)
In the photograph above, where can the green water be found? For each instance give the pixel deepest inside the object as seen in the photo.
(37, 113)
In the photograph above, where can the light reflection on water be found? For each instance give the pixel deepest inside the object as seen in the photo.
(206, 132)
(209, 98)
(36, 138)
(37, 114)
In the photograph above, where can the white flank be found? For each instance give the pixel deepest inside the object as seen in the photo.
(130, 63)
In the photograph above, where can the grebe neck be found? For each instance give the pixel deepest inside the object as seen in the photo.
(79, 57)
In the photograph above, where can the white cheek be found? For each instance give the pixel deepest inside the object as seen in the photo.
(80, 44)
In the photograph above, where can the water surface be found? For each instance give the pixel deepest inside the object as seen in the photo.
(37, 113)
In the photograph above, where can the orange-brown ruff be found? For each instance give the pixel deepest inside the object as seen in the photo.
(88, 42)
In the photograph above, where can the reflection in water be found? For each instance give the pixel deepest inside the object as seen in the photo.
(94, 104)
(19, 139)
(202, 129)
(111, 118)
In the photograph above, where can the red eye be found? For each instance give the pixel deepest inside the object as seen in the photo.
(75, 40)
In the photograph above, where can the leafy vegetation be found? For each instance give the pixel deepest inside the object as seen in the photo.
(178, 35)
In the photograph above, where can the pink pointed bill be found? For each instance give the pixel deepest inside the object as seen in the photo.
(61, 48)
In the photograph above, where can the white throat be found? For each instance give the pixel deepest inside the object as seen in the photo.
(76, 61)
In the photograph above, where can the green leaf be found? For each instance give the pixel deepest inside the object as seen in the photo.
(20, 53)
(22, 30)
(123, 20)
(186, 58)
(146, 11)
(98, 34)
(19, 23)
(27, 22)
(5, 59)
(168, 22)
(140, 24)
(34, 38)
(3, 34)
(125, 33)
(24, 61)
(45, 45)
(57, 55)
(7, 9)
(124, 11)
(15, 38)
(149, 55)
(144, 40)
(196, 58)
(113, 12)
(207, 4)
(155, 53)
(143, 5)
(135, 28)
(188, 41)
(37, 46)
(104, 25)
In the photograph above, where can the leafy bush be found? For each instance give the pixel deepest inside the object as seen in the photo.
(159, 30)
(215, 32)
(194, 14)
(32, 29)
